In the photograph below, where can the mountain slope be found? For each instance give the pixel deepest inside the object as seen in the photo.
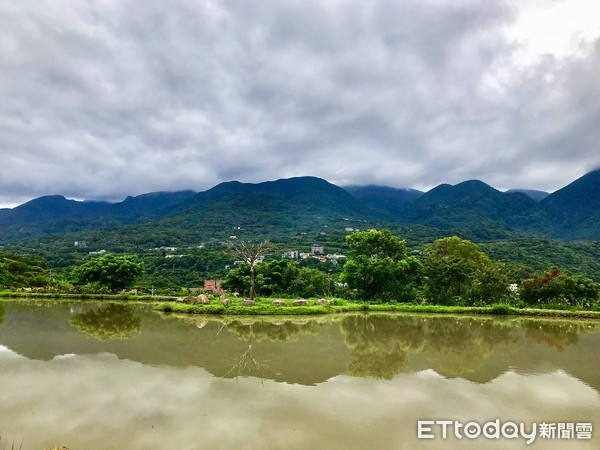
(289, 206)
(532, 193)
(385, 199)
(473, 204)
(51, 208)
(273, 207)
(574, 211)
(55, 214)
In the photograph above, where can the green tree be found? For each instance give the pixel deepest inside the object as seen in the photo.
(555, 288)
(113, 272)
(6, 277)
(378, 267)
(456, 270)
(311, 283)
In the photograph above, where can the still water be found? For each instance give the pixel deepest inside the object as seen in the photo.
(113, 376)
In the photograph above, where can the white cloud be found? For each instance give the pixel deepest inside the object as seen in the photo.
(106, 99)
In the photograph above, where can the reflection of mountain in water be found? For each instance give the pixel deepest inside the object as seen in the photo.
(309, 350)
(109, 321)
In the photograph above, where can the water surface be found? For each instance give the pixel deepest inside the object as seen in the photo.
(113, 376)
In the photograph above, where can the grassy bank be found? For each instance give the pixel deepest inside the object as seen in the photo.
(264, 306)
(67, 296)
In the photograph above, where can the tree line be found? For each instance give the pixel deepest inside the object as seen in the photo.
(379, 268)
(450, 271)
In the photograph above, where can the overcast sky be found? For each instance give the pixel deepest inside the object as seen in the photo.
(100, 99)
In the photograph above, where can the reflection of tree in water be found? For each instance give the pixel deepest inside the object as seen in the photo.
(557, 334)
(457, 346)
(380, 344)
(1, 313)
(275, 331)
(109, 321)
(261, 330)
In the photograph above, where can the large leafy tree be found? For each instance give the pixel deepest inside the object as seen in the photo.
(113, 272)
(378, 267)
(560, 289)
(457, 271)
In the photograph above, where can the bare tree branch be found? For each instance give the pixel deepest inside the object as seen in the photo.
(250, 253)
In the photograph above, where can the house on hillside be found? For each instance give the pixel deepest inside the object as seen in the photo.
(317, 248)
(213, 286)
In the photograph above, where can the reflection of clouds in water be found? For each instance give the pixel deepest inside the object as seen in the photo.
(102, 402)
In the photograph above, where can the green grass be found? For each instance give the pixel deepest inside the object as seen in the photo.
(263, 308)
(53, 295)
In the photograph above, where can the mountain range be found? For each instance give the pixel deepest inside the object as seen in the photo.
(307, 203)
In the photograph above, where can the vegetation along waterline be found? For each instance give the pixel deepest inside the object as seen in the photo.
(375, 272)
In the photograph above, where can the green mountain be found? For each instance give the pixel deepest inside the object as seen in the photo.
(281, 207)
(54, 214)
(473, 204)
(536, 195)
(51, 208)
(387, 200)
(574, 211)
(290, 207)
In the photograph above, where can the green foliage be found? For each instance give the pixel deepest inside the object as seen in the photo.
(560, 290)
(109, 321)
(456, 270)
(280, 277)
(311, 283)
(18, 271)
(379, 268)
(113, 272)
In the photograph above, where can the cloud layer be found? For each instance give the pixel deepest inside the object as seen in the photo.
(103, 99)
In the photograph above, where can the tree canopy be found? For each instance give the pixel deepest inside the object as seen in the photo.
(379, 268)
(455, 270)
(113, 272)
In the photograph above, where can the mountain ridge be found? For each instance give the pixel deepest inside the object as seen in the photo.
(570, 212)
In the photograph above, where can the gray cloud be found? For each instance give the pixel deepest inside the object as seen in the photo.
(102, 100)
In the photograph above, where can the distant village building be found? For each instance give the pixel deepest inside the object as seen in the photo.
(292, 254)
(316, 248)
(213, 286)
(80, 244)
(99, 252)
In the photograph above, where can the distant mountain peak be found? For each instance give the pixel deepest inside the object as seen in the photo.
(531, 193)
